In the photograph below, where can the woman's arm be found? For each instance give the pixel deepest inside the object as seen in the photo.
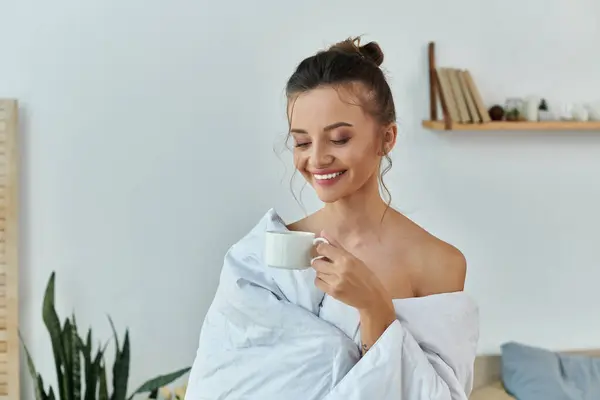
(394, 364)
(396, 367)
(373, 323)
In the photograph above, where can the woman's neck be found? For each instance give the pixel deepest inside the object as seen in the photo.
(355, 215)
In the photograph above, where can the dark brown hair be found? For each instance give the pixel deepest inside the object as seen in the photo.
(355, 67)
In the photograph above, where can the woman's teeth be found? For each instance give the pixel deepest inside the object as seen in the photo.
(328, 176)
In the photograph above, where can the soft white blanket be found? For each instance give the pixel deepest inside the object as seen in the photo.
(271, 334)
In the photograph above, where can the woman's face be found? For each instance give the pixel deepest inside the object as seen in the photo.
(337, 146)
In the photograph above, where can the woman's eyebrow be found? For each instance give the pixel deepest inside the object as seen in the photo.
(327, 128)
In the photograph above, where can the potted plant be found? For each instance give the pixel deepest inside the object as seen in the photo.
(87, 380)
(513, 109)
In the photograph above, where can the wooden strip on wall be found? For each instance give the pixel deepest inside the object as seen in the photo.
(9, 232)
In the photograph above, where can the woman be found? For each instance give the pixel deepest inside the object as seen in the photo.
(383, 314)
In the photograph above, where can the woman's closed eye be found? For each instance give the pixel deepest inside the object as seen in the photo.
(340, 141)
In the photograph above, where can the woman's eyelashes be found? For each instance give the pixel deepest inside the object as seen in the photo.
(301, 144)
(341, 141)
(337, 142)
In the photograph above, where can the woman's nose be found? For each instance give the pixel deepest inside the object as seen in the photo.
(321, 155)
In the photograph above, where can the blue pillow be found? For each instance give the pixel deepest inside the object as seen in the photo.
(532, 373)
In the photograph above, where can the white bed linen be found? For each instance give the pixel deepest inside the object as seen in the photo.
(271, 334)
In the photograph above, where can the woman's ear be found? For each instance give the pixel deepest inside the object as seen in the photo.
(389, 138)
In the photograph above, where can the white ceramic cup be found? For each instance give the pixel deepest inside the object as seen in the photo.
(291, 250)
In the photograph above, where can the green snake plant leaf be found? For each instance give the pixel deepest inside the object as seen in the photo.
(66, 338)
(53, 325)
(32, 371)
(121, 370)
(92, 366)
(40, 383)
(103, 388)
(114, 331)
(86, 353)
(99, 370)
(88, 340)
(91, 373)
(68, 367)
(75, 360)
(51, 395)
(158, 382)
(118, 393)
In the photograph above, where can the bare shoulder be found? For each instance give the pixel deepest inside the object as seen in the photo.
(310, 223)
(437, 266)
(297, 225)
(444, 269)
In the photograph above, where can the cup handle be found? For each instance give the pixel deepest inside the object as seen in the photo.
(316, 241)
(320, 240)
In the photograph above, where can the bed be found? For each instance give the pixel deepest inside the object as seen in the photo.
(488, 382)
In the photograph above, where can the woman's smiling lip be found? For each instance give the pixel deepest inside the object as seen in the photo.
(328, 177)
(326, 171)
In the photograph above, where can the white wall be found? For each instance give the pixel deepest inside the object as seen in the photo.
(148, 133)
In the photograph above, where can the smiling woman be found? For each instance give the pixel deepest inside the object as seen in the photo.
(375, 286)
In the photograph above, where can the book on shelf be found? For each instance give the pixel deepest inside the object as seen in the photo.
(460, 97)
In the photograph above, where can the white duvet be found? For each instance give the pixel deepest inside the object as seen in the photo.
(271, 334)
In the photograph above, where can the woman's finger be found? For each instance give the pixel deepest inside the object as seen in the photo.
(322, 284)
(329, 251)
(323, 266)
(331, 240)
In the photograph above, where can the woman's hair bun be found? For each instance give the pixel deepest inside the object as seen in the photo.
(371, 51)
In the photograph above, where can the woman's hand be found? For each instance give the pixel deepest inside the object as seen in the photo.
(349, 280)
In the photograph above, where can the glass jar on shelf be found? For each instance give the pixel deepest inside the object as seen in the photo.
(513, 109)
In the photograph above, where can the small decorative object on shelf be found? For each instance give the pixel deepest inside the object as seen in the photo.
(496, 113)
(514, 109)
(544, 112)
(566, 112)
(580, 112)
(530, 109)
(594, 111)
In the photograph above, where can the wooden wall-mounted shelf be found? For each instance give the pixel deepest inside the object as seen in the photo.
(463, 108)
(515, 126)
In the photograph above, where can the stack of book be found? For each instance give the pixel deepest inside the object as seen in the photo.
(459, 96)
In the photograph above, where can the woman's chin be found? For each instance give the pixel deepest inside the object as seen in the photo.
(328, 200)
(328, 196)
